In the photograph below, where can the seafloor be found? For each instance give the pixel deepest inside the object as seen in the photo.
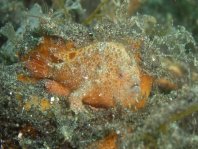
(98, 74)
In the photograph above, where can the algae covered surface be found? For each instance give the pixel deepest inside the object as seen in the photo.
(98, 74)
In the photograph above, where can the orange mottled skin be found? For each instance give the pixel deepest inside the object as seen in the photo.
(101, 74)
(108, 142)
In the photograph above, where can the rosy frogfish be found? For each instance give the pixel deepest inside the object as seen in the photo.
(100, 75)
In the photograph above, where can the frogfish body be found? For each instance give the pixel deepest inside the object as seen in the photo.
(101, 74)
